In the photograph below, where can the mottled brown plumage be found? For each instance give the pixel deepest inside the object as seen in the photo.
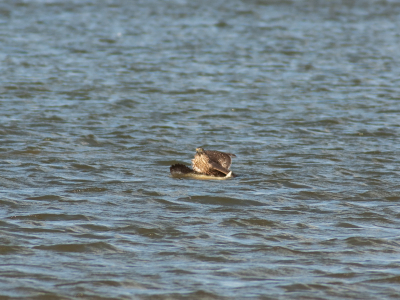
(212, 163)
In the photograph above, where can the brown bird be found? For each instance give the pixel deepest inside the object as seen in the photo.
(212, 163)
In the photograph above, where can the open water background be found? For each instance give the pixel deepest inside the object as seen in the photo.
(99, 98)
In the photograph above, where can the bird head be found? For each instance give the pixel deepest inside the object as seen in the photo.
(199, 150)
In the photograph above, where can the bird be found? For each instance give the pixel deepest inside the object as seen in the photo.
(211, 162)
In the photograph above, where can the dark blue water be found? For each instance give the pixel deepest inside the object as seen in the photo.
(99, 98)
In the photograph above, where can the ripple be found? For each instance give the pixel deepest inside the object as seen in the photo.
(52, 217)
(254, 222)
(88, 190)
(46, 198)
(347, 225)
(371, 242)
(7, 250)
(98, 248)
(214, 200)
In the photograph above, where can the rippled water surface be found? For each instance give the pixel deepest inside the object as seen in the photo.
(99, 98)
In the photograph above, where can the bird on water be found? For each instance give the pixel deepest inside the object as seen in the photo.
(212, 162)
(207, 162)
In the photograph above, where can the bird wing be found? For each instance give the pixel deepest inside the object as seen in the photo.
(218, 167)
(223, 159)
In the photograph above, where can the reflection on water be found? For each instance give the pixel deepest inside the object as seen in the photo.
(99, 99)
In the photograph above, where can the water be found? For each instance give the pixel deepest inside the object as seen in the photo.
(99, 98)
